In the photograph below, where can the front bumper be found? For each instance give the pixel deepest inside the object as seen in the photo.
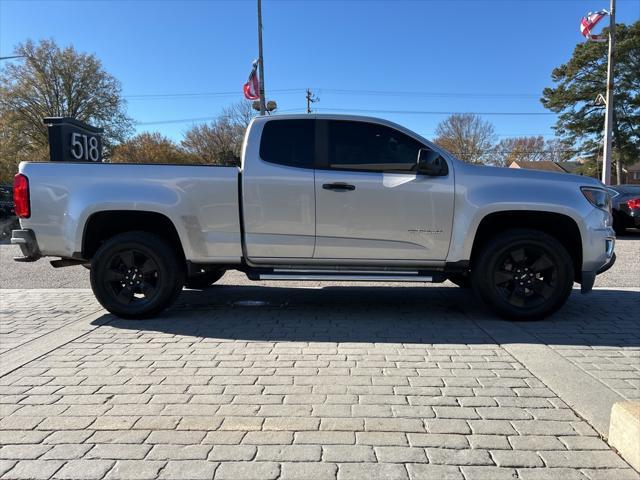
(607, 265)
(605, 262)
(26, 239)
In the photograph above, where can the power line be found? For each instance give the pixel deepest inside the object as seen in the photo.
(509, 135)
(336, 91)
(238, 93)
(399, 93)
(197, 119)
(425, 112)
(519, 152)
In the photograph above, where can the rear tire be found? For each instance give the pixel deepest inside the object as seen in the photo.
(523, 274)
(204, 280)
(136, 275)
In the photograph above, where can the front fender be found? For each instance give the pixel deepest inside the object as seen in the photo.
(476, 203)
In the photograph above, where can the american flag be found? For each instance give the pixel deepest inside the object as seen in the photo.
(589, 22)
(252, 88)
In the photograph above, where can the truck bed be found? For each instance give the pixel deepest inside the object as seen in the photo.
(202, 202)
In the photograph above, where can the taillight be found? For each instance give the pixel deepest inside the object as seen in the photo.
(21, 196)
(633, 203)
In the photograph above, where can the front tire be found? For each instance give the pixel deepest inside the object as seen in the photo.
(136, 275)
(523, 274)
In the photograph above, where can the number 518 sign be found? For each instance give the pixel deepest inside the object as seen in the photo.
(71, 140)
(84, 147)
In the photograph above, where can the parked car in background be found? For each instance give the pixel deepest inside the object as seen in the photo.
(625, 201)
(8, 219)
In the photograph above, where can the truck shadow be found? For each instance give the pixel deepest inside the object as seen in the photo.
(433, 315)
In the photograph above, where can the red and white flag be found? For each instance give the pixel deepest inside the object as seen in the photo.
(252, 87)
(589, 22)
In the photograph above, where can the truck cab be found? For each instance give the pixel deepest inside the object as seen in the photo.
(346, 190)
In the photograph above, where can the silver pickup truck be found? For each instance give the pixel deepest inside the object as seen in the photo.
(322, 198)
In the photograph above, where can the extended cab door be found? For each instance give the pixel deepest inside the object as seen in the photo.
(278, 201)
(370, 202)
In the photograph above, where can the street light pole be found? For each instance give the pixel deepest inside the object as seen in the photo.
(608, 116)
(263, 108)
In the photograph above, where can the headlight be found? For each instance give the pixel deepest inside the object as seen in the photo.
(597, 197)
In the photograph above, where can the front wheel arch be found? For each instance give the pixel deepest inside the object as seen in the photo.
(561, 227)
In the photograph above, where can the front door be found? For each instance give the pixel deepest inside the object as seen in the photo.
(370, 202)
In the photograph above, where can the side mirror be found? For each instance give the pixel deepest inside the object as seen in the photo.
(431, 163)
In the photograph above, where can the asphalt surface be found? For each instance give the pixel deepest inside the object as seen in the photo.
(40, 274)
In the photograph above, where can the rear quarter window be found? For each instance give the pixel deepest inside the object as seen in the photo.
(288, 142)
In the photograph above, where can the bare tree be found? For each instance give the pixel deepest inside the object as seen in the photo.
(56, 82)
(150, 148)
(239, 114)
(529, 149)
(216, 143)
(557, 150)
(466, 136)
(220, 142)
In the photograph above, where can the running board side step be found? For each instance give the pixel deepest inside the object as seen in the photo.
(435, 277)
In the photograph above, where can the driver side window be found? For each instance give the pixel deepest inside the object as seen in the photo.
(371, 147)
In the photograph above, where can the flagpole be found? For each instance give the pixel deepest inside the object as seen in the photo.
(608, 116)
(261, 60)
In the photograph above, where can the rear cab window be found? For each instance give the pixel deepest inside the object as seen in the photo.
(288, 142)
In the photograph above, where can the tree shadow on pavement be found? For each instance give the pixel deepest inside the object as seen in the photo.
(433, 315)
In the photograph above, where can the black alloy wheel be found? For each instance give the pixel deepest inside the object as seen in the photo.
(523, 274)
(136, 275)
(132, 277)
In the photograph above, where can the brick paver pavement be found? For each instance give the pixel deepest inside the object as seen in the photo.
(23, 320)
(601, 340)
(346, 383)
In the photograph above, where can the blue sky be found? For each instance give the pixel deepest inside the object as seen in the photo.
(460, 55)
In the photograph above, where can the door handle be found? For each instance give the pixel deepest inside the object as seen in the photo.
(339, 187)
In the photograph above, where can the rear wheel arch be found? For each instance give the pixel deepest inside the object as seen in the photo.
(103, 225)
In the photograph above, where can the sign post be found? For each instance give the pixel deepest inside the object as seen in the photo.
(263, 107)
(71, 140)
(608, 116)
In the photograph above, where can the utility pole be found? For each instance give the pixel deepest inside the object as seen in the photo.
(608, 116)
(263, 108)
(311, 99)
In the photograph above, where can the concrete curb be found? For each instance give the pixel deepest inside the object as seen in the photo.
(624, 432)
(587, 396)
